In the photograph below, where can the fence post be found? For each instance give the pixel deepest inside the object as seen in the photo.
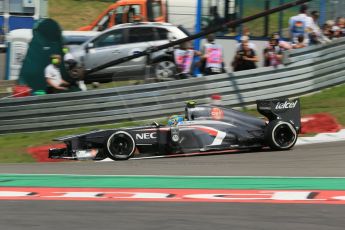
(281, 18)
(323, 6)
(198, 24)
(240, 14)
(267, 18)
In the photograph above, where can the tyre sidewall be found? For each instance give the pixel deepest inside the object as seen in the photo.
(270, 135)
(115, 156)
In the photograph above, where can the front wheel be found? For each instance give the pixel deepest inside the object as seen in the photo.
(120, 146)
(164, 70)
(280, 135)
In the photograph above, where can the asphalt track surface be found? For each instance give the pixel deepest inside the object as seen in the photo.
(320, 160)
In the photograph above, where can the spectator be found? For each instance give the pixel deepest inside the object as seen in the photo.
(55, 82)
(53, 76)
(69, 60)
(336, 32)
(245, 39)
(212, 59)
(74, 71)
(341, 24)
(300, 25)
(273, 53)
(245, 58)
(184, 56)
(327, 29)
(283, 45)
(316, 36)
(300, 42)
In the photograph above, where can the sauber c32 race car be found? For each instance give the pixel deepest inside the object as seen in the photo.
(204, 128)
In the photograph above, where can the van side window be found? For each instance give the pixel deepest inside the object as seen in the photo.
(157, 9)
(103, 23)
(119, 15)
(109, 39)
(133, 12)
(141, 34)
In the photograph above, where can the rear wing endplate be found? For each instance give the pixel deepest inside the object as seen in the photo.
(281, 109)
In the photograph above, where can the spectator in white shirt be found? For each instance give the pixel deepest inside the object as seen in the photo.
(300, 25)
(53, 76)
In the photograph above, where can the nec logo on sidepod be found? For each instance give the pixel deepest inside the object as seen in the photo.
(286, 105)
(145, 136)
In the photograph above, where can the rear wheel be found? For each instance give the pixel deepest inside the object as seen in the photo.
(164, 70)
(280, 135)
(120, 146)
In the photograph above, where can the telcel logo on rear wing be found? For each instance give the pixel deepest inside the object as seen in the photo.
(286, 105)
(282, 109)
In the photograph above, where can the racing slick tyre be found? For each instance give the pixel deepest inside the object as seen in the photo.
(120, 146)
(164, 69)
(280, 135)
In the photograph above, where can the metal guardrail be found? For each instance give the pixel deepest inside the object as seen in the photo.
(305, 70)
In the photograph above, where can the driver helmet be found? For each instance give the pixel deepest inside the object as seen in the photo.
(175, 120)
(190, 104)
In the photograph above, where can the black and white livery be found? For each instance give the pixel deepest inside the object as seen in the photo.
(203, 128)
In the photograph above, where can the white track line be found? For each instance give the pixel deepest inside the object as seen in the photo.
(322, 138)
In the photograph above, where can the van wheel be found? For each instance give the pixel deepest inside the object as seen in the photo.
(120, 146)
(164, 70)
(280, 135)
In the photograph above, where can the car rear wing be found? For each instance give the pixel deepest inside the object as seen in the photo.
(281, 109)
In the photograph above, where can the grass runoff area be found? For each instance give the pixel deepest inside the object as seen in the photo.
(72, 14)
(13, 146)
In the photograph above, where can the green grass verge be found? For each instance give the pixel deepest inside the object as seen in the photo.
(13, 146)
(330, 101)
(72, 14)
(113, 84)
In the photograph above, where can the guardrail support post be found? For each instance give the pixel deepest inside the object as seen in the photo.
(323, 9)
(267, 18)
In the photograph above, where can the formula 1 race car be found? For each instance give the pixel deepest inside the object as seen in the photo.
(202, 129)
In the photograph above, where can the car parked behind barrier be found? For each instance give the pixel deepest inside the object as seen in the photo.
(124, 40)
